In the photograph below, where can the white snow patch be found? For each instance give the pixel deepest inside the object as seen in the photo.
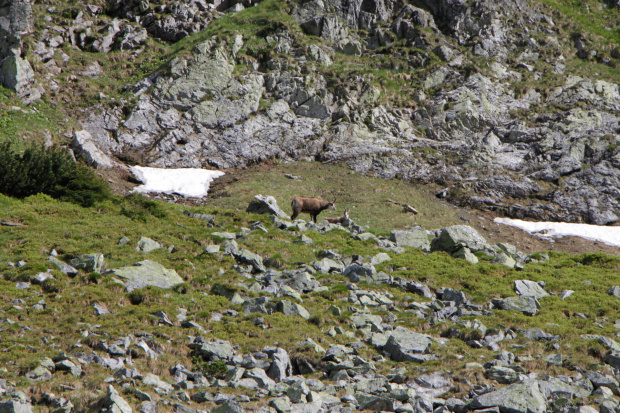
(607, 235)
(189, 182)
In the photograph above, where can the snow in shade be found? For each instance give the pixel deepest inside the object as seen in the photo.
(188, 182)
(607, 235)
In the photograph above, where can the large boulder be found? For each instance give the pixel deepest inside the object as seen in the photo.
(21, 17)
(406, 345)
(114, 403)
(213, 350)
(523, 397)
(83, 145)
(13, 406)
(454, 237)
(16, 74)
(526, 288)
(147, 273)
(89, 262)
(414, 238)
(266, 204)
(246, 257)
(527, 305)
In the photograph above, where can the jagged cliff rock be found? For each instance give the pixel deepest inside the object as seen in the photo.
(475, 96)
(16, 21)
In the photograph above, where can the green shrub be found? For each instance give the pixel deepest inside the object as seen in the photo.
(598, 259)
(51, 171)
(209, 368)
(140, 208)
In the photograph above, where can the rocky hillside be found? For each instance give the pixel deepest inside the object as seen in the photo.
(510, 106)
(141, 305)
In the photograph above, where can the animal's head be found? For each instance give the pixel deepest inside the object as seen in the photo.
(346, 213)
(332, 205)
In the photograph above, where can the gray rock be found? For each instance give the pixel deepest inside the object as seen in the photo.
(209, 219)
(517, 398)
(380, 258)
(456, 236)
(420, 289)
(14, 406)
(258, 305)
(504, 259)
(527, 305)
(328, 265)
(62, 266)
(21, 18)
(613, 359)
(458, 297)
(71, 367)
(552, 387)
(406, 345)
(527, 288)
(599, 379)
(229, 406)
(375, 403)
(415, 238)
(16, 74)
(146, 273)
(114, 403)
(288, 308)
(610, 344)
(303, 239)
(213, 350)
(38, 374)
(615, 291)
(212, 249)
(84, 146)
(281, 404)
(465, 254)
(281, 366)
(89, 262)
(244, 256)
(501, 374)
(356, 272)
(298, 391)
(261, 378)
(147, 245)
(41, 277)
(266, 205)
(230, 247)
(538, 334)
(225, 235)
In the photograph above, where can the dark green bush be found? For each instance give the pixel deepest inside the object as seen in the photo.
(140, 208)
(210, 369)
(598, 259)
(51, 171)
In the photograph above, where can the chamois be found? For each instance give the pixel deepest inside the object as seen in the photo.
(339, 220)
(310, 205)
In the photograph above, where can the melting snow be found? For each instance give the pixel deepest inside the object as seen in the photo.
(189, 182)
(607, 235)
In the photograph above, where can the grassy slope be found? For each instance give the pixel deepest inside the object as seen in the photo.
(72, 230)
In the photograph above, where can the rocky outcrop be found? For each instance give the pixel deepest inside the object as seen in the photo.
(146, 273)
(16, 72)
(491, 140)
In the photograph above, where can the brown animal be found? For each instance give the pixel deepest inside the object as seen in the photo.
(310, 205)
(339, 220)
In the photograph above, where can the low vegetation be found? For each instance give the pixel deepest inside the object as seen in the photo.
(51, 171)
(37, 225)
